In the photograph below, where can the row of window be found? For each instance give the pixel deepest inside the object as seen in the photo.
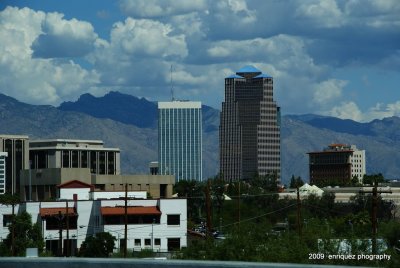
(53, 223)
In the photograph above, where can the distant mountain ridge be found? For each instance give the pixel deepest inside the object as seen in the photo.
(310, 132)
(116, 106)
(120, 121)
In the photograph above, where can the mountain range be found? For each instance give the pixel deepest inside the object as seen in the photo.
(130, 123)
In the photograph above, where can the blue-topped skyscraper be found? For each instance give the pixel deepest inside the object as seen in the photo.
(180, 139)
(249, 132)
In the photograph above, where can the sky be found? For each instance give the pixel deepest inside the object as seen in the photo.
(330, 57)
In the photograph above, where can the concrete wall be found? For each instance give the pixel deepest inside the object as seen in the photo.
(137, 263)
(68, 193)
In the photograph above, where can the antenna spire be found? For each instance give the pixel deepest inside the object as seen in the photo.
(172, 86)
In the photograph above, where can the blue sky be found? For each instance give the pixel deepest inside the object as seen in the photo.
(329, 57)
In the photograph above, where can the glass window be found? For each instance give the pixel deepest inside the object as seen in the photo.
(65, 159)
(137, 243)
(173, 219)
(174, 244)
(147, 242)
(7, 219)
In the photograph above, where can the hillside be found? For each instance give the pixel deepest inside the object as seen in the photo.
(137, 139)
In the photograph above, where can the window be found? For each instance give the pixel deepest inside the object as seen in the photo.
(7, 219)
(138, 243)
(122, 243)
(157, 242)
(147, 242)
(96, 221)
(173, 219)
(65, 159)
(174, 244)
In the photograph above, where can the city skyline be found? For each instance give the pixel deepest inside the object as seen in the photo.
(341, 56)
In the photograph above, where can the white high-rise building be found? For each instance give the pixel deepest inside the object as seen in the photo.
(357, 159)
(180, 139)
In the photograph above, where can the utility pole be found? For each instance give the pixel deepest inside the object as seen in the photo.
(13, 231)
(60, 218)
(126, 221)
(298, 211)
(152, 235)
(374, 217)
(208, 208)
(67, 246)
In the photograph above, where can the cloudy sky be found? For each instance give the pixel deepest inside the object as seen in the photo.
(330, 57)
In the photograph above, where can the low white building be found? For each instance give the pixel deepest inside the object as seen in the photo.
(158, 224)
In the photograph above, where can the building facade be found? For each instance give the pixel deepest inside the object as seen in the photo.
(58, 161)
(17, 149)
(249, 133)
(155, 224)
(3, 156)
(358, 163)
(180, 139)
(67, 153)
(336, 164)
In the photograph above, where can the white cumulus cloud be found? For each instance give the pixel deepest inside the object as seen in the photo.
(63, 38)
(323, 13)
(160, 8)
(328, 91)
(36, 80)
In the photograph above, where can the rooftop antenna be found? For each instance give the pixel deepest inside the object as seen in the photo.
(172, 86)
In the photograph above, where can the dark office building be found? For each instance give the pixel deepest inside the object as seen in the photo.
(17, 149)
(331, 166)
(250, 127)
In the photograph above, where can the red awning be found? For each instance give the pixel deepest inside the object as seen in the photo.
(46, 212)
(109, 211)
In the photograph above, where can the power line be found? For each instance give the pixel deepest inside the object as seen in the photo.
(259, 216)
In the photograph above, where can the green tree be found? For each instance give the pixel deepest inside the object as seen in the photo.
(296, 181)
(355, 181)
(371, 179)
(194, 192)
(101, 245)
(27, 235)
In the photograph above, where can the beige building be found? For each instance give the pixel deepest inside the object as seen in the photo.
(56, 161)
(44, 182)
(68, 153)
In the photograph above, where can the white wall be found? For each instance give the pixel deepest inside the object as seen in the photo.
(163, 231)
(90, 221)
(118, 194)
(68, 193)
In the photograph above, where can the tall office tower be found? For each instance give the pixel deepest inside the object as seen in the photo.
(17, 148)
(180, 139)
(250, 127)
